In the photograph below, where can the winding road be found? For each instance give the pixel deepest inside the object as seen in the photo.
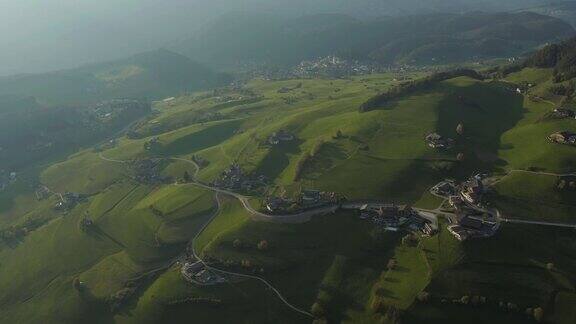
(242, 275)
(298, 218)
(244, 200)
(304, 216)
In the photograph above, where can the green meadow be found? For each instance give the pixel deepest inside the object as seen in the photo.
(334, 265)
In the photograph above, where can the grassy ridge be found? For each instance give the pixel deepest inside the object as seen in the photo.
(337, 260)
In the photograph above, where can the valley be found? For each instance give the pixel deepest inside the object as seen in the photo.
(136, 210)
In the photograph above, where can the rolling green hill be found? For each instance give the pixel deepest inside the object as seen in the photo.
(46, 116)
(113, 256)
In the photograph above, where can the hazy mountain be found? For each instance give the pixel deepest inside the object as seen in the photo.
(565, 10)
(238, 38)
(47, 35)
(150, 75)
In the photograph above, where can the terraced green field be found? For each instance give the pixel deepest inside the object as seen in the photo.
(126, 260)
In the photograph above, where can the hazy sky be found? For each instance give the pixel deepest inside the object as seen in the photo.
(50, 34)
(42, 35)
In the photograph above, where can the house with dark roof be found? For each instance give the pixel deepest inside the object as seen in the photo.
(562, 113)
(280, 136)
(310, 197)
(437, 141)
(471, 227)
(472, 190)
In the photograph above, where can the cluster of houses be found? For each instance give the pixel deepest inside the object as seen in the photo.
(562, 113)
(330, 66)
(469, 220)
(148, 171)
(335, 67)
(306, 200)
(314, 198)
(437, 141)
(234, 178)
(469, 192)
(392, 217)
(197, 273)
(280, 137)
(564, 137)
(69, 200)
(469, 227)
(152, 143)
(109, 108)
(472, 190)
(522, 88)
(279, 204)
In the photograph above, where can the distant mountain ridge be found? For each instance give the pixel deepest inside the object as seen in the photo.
(421, 39)
(149, 76)
(565, 10)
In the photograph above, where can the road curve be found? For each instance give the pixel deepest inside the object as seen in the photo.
(244, 200)
(110, 160)
(262, 280)
(252, 211)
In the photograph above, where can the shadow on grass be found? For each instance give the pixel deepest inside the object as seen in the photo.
(486, 113)
(278, 158)
(98, 309)
(200, 140)
(383, 292)
(401, 269)
(97, 233)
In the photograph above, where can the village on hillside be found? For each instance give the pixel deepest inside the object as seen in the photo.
(235, 179)
(468, 217)
(566, 137)
(305, 200)
(394, 218)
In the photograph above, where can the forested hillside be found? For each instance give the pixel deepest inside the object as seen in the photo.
(424, 39)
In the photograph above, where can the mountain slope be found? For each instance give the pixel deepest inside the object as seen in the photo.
(565, 10)
(124, 259)
(420, 39)
(149, 75)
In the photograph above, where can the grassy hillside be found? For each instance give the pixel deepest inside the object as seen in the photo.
(126, 260)
(125, 241)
